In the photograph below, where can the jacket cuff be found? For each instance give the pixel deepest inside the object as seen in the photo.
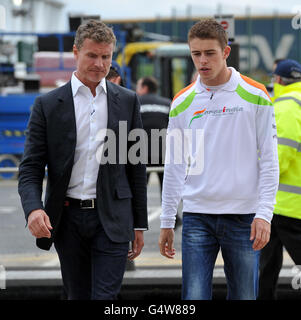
(167, 223)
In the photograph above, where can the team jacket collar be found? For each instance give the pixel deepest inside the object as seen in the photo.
(231, 85)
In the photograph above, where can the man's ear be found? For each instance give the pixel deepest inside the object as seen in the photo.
(280, 81)
(75, 51)
(227, 51)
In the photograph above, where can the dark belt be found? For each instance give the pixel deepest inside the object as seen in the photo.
(81, 204)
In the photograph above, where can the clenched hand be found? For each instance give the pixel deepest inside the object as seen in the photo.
(260, 233)
(39, 224)
(166, 241)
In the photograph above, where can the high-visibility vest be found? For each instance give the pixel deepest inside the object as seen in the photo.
(288, 120)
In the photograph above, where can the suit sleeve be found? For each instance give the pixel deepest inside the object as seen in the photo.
(137, 175)
(32, 167)
(174, 173)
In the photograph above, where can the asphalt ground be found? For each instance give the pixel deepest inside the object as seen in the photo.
(31, 273)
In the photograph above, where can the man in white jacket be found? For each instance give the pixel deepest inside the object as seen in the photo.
(224, 124)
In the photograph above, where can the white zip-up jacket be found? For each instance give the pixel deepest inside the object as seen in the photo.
(229, 137)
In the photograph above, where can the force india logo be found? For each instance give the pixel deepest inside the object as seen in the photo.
(217, 112)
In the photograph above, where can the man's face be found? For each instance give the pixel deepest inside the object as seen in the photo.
(277, 79)
(209, 60)
(140, 89)
(93, 61)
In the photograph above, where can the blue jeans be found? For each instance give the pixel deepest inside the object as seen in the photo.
(202, 237)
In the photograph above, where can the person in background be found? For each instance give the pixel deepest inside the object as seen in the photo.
(114, 74)
(286, 223)
(271, 86)
(154, 112)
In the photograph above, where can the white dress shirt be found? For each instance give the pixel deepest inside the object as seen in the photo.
(91, 114)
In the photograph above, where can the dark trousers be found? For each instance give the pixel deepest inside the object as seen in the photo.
(92, 265)
(285, 232)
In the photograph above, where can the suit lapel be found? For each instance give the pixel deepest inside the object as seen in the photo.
(113, 106)
(66, 111)
(66, 121)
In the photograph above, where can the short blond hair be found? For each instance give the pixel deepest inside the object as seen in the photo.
(96, 31)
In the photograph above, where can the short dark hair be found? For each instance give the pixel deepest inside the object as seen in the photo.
(96, 31)
(209, 29)
(151, 83)
(276, 61)
(112, 74)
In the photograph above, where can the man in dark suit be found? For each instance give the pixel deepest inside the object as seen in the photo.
(92, 208)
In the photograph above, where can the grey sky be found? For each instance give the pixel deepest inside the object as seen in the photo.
(136, 9)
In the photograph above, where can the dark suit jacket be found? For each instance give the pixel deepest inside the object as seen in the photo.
(51, 141)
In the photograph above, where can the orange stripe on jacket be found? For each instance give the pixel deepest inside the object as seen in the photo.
(183, 90)
(255, 84)
(201, 111)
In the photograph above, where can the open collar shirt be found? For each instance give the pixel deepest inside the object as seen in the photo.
(91, 114)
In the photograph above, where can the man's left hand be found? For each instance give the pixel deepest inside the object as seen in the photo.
(260, 233)
(137, 245)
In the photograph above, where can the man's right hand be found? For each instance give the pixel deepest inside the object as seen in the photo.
(166, 240)
(39, 224)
